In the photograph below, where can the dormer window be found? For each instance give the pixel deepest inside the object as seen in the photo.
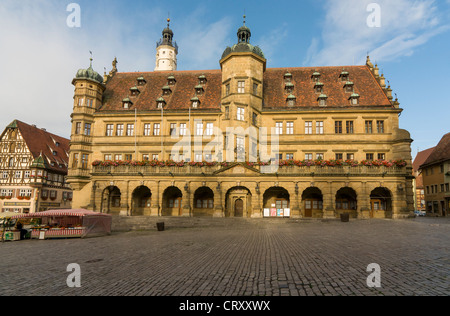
(316, 76)
(291, 100)
(166, 90)
(287, 77)
(199, 89)
(134, 91)
(289, 87)
(348, 87)
(127, 103)
(160, 103)
(202, 79)
(322, 99)
(171, 80)
(354, 99)
(141, 81)
(318, 87)
(344, 76)
(195, 102)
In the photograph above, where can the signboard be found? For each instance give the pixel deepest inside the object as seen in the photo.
(267, 212)
(16, 204)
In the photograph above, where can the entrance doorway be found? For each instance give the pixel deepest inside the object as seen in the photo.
(239, 208)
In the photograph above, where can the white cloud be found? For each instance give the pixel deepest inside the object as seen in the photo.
(346, 37)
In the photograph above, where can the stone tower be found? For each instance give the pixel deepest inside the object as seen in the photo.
(89, 90)
(166, 51)
(243, 66)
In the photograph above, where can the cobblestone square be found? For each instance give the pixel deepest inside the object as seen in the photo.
(239, 257)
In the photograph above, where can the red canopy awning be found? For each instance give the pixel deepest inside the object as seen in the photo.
(58, 213)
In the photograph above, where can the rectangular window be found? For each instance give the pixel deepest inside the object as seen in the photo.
(289, 156)
(255, 89)
(78, 128)
(80, 101)
(209, 129)
(290, 128)
(350, 156)
(89, 102)
(27, 174)
(119, 130)
(155, 157)
(147, 129)
(319, 156)
(173, 129)
(199, 129)
(109, 130)
(240, 114)
(183, 129)
(380, 127)
(368, 125)
(156, 129)
(442, 187)
(128, 157)
(308, 156)
(241, 86)
(308, 128)
(338, 127)
(84, 161)
(118, 157)
(369, 157)
(198, 157)
(227, 112)
(279, 128)
(319, 127)
(441, 168)
(208, 157)
(447, 187)
(130, 129)
(349, 127)
(75, 161)
(381, 156)
(145, 157)
(255, 119)
(339, 156)
(18, 174)
(227, 90)
(108, 157)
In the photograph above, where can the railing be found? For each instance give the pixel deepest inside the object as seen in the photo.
(282, 170)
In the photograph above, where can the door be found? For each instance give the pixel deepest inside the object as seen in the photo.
(376, 205)
(308, 208)
(239, 208)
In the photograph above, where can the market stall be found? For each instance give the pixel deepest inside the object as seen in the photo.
(7, 227)
(69, 224)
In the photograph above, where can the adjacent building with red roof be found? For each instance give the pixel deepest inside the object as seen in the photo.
(435, 170)
(33, 168)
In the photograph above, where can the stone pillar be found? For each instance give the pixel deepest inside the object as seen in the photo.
(187, 201)
(328, 202)
(363, 201)
(218, 205)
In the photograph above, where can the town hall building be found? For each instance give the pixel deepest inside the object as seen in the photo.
(240, 141)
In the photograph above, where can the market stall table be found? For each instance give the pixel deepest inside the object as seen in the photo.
(69, 224)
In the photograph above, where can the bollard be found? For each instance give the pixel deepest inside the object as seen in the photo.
(160, 226)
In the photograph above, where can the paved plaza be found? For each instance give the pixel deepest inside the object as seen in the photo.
(239, 257)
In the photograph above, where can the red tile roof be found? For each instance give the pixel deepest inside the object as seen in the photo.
(365, 84)
(42, 142)
(421, 157)
(440, 153)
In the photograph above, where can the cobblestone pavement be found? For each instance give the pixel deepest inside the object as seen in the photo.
(239, 258)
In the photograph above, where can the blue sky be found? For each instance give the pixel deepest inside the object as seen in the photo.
(40, 54)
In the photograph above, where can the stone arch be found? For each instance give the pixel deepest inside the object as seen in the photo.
(141, 201)
(111, 200)
(346, 201)
(312, 201)
(172, 202)
(203, 202)
(381, 203)
(277, 200)
(233, 205)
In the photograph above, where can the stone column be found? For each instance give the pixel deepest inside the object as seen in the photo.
(218, 203)
(187, 201)
(328, 202)
(363, 201)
